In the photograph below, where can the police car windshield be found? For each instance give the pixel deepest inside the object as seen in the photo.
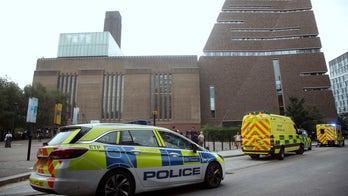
(59, 138)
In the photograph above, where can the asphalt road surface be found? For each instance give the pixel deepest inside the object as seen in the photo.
(322, 171)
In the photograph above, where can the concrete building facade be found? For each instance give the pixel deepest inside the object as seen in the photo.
(339, 81)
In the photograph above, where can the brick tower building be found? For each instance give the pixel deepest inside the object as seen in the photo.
(258, 55)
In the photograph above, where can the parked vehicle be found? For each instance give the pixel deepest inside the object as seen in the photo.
(329, 135)
(306, 140)
(269, 134)
(122, 159)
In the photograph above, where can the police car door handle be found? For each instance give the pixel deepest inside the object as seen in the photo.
(173, 154)
(135, 151)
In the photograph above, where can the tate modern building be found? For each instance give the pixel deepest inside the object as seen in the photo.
(257, 56)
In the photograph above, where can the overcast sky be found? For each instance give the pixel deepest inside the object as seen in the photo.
(30, 29)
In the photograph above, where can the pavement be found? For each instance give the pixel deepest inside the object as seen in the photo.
(15, 165)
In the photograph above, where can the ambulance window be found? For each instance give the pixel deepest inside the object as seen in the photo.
(322, 131)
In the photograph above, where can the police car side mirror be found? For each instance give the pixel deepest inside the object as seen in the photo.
(194, 148)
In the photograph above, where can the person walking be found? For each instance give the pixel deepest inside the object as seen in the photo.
(194, 135)
(237, 140)
(8, 139)
(201, 138)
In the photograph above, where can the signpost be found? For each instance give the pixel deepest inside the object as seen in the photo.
(31, 118)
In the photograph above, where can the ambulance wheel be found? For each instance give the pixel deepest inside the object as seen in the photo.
(254, 156)
(116, 182)
(281, 154)
(213, 175)
(301, 150)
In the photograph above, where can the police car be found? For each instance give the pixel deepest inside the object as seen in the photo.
(122, 159)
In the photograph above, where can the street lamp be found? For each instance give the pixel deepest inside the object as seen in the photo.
(154, 112)
(15, 108)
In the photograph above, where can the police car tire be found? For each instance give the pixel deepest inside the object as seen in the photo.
(107, 183)
(213, 175)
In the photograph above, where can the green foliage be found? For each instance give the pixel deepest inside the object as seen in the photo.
(14, 105)
(47, 101)
(11, 102)
(221, 134)
(343, 121)
(305, 117)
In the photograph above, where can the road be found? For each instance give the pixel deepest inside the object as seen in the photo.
(322, 171)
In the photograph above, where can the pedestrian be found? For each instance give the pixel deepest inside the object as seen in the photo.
(201, 138)
(194, 136)
(8, 139)
(237, 140)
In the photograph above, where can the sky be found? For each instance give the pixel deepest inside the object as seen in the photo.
(30, 29)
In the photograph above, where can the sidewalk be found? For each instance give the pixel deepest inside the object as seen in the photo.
(15, 167)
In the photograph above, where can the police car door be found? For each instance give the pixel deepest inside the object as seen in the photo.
(185, 164)
(149, 161)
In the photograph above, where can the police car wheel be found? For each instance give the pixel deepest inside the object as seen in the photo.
(117, 182)
(213, 175)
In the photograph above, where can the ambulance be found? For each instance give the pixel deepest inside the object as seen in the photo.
(269, 134)
(329, 135)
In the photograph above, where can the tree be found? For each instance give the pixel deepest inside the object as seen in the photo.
(47, 101)
(11, 105)
(305, 117)
(343, 121)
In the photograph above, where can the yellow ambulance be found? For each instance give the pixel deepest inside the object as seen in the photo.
(329, 135)
(269, 134)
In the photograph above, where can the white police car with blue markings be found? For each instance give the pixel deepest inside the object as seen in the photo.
(122, 159)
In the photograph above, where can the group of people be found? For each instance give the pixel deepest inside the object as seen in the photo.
(198, 137)
(193, 134)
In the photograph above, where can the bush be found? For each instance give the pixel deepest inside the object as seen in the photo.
(220, 134)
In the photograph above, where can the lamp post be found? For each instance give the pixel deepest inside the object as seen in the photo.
(154, 112)
(15, 108)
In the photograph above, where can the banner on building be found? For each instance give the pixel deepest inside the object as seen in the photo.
(76, 115)
(58, 114)
(32, 109)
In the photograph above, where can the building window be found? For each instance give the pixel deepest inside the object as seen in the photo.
(312, 73)
(262, 53)
(306, 89)
(113, 94)
(161, 95)
(278, 84)
(67, 84)
(212, 101)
